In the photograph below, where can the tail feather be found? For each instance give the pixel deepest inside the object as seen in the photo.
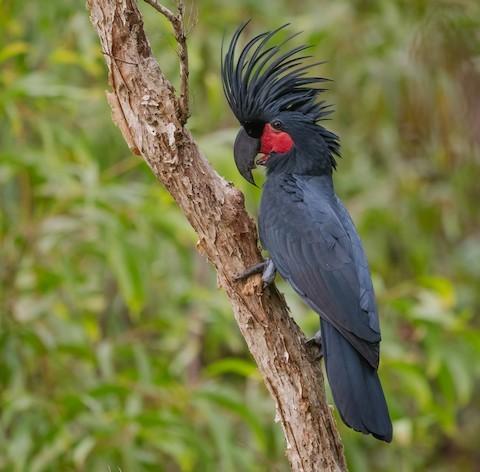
(355, 386)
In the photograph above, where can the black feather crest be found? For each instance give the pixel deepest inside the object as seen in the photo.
(263, 82)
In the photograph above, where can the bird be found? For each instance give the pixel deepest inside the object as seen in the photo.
(309, 235)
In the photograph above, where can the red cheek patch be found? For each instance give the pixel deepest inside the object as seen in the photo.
(275, 141)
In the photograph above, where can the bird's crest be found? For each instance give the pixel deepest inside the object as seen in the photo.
(263, 81)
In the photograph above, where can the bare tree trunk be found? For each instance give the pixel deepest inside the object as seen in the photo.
(151, 117)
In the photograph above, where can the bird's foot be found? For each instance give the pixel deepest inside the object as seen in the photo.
(316, 340)
(266, 268)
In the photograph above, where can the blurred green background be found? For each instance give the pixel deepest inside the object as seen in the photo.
(117, 350)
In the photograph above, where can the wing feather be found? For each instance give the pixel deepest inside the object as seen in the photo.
(313, 244)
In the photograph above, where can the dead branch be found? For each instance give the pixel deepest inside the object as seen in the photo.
(145, 108)
(178, 24)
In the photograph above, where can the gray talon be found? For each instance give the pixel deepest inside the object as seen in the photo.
(316, 340)
(255, 269)
(266, 268)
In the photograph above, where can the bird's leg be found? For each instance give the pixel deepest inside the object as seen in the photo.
(269, 272)
(255, 269)
(266, 268)
(316, 340)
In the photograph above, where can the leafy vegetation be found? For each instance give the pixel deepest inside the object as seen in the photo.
(117, 350)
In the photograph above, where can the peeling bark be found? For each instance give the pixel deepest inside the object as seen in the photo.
(149, 115)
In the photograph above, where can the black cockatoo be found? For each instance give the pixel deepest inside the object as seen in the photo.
(304, 226)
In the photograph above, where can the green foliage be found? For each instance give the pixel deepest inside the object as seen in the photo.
(117, 351)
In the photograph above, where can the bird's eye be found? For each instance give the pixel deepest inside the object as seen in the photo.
(277, 124)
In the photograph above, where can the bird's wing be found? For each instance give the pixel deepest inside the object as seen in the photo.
(367, 294)
(316, 248)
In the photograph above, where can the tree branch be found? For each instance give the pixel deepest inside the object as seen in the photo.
(178, 24)
(145, 108)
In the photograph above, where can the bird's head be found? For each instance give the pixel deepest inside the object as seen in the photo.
(274, 100)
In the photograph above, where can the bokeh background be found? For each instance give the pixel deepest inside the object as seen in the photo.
(117, 350)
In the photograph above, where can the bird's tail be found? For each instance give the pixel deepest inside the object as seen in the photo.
(355, 386)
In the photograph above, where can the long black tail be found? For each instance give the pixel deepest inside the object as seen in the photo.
(355, 386)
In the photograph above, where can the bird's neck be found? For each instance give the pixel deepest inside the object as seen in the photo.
(313, 161)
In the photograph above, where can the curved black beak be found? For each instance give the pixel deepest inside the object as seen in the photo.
(244, 151)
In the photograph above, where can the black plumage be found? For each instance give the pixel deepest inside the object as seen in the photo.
(262, 82)
(304, 226)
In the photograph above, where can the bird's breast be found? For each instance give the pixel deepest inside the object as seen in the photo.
(282, 210)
